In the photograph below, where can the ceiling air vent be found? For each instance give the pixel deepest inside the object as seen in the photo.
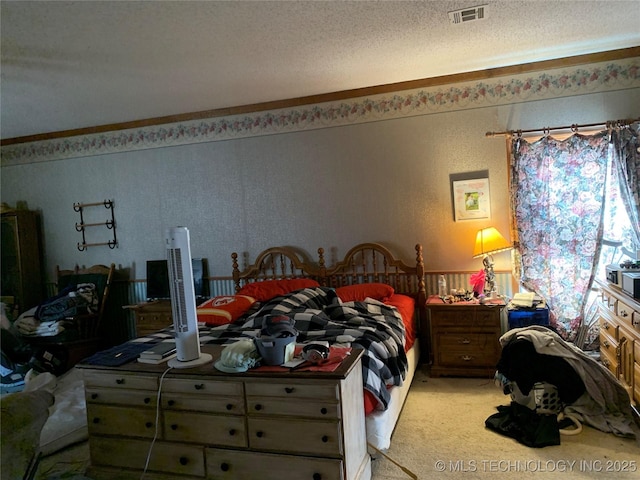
(468, 14)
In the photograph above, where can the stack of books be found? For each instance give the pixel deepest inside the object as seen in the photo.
(526, 300)
(159, 353)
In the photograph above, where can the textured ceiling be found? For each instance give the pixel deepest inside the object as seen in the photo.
(68, 65)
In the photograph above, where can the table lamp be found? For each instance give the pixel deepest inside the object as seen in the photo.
(488, 242)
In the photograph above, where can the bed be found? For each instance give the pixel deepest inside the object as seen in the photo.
(368, 299)
(368, 263)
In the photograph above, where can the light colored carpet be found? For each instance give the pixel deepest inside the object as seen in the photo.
(441, 434)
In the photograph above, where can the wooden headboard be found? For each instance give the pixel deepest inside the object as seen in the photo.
(275, 263)
(372, 262)
(364, 263)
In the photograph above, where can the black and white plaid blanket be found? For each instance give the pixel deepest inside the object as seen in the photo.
(320, 316)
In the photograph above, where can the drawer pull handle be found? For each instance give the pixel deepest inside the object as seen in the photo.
(94, 396)
(605, 362)
(171, 403)
(259, 434)
(147, 400)
(199, 386)
(606, 344)
(288, 389)
(174, 427)
(148, 424)
(323, 411)
(325, 439)
(232, 432)
(229, 406)
(184, 460)
(465, 341)
(224, 467)
(96, 420)
(624, 314)
(120, 381)
(317, 476)
(258, 407)
(466, 358)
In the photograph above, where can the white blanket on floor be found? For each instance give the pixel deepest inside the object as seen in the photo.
(67, 422)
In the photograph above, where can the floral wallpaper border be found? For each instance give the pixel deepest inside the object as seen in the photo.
(578, 80)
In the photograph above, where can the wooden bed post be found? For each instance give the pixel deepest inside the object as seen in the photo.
(322, 269)
(236, 272)
(422, 289)
(424, 327)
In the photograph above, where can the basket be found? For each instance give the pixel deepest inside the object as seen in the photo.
(543, 398)
(276, 351)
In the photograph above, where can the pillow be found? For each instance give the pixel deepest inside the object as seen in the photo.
(377, 291)
(224, 309)
(264, 291)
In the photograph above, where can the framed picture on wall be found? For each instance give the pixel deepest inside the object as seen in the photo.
(470, 194)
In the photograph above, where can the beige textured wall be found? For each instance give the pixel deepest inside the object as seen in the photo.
(385, 181)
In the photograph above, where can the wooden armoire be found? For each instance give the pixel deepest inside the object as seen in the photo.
(22, 281)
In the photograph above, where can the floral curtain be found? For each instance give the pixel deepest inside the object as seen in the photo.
(626, 162)
(557, 194)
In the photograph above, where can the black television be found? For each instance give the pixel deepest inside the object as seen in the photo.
(158, 279)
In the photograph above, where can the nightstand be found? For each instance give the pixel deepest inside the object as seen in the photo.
(151, 316)
(465, 338)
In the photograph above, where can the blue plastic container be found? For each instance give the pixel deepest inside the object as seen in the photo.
(524, 317)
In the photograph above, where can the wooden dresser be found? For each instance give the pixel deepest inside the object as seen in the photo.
(619, 320)
(465, 338)
(151, 316)
(253, 425)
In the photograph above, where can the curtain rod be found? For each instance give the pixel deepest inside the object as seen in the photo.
(574, 128)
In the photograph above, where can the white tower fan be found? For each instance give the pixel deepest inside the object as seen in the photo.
(183, 300)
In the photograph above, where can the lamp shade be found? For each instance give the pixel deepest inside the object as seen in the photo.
(488, 241)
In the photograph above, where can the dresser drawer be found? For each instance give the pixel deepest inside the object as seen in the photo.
(488, 317)
(276, 406)
(295, 436)
(203, 387)
(202, 403)
(108, 420)
(608, 344)
(625, 313)
(153, 320)
(233, 465)
(465, 317)
(609, 328)
(174, 458)
(228, 431)
(610, 362)
(469, 359)
(462, 342)
(452, 316)
(609, 301)
(134, 398)
(115, 380)
(293, 390)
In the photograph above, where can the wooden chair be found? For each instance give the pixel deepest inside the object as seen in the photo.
(81, 336)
